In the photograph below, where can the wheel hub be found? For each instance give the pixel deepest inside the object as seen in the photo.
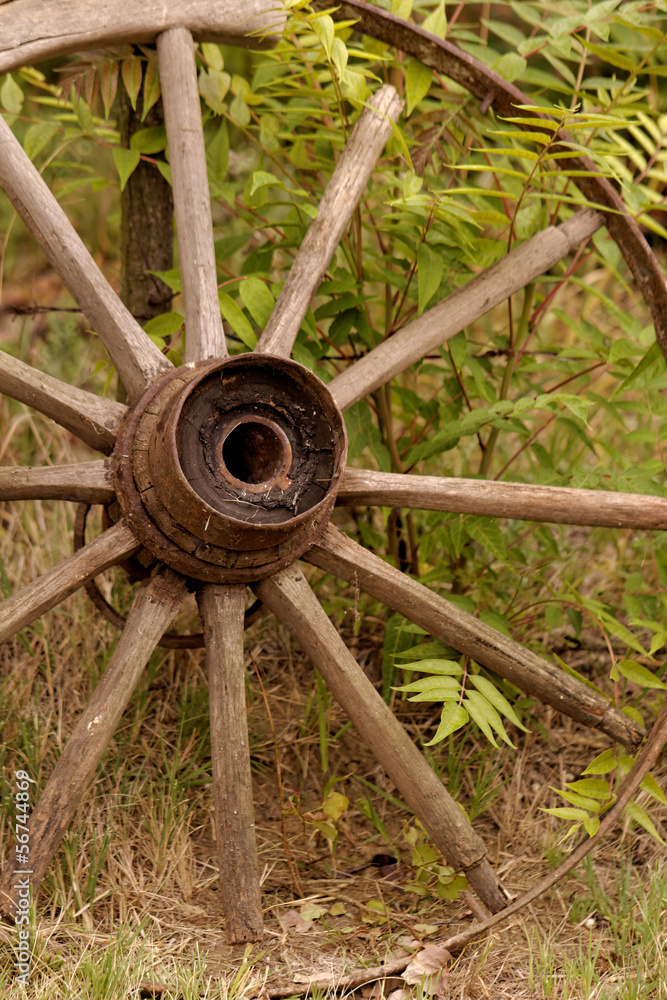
(228, 470)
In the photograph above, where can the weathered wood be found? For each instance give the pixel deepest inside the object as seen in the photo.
(46, 591)
(134, 354)
(93, 419)
(346, 559)
(85, 482)
(524, 501)
(204, 336)
(339, 201)
(469, 303)
(290, 597)
(34, 30)
(154, 608)
(222, 610)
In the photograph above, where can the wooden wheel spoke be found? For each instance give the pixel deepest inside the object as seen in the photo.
(344, 558)
(194, 227)
(524, 501)
(93, 419)
(132, 351)
(469, 303)
(85, 482)
(340, 199)
(222, 609)
(114, 545)
(152, 612)
(290, 597)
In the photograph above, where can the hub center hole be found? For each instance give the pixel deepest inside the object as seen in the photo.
(256, 451)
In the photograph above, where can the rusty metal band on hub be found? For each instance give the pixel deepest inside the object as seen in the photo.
(228, 470)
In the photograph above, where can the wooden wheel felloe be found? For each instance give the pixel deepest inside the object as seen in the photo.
(225, 471)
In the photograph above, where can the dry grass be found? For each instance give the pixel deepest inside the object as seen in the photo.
(150, 909)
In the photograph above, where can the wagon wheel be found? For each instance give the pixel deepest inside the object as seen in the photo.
(226, 470)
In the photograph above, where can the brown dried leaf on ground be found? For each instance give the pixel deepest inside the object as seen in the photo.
(293, 922)
(430, 968)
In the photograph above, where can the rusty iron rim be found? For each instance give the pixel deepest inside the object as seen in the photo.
(170, 640)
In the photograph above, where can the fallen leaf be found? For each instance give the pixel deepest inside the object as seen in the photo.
(293, 921)
(426, 929)
(311, 911)
(383, 987)
(429, 969)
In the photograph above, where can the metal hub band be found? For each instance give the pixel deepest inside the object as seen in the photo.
(228, 470)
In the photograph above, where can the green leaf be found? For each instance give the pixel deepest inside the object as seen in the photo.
(486, 531)
(496, 621)
(335, 805)
(323, 27)
(108, 84)
(604, 763)
(257, 299)
(238, 322)
(574, 404)
(651, 786)
(458, 349)
(213, 87)
(446, 668)
(492, 694)
(213, 55)
(650, 365)
(633, 714)
(165, 170)
(150, 140)
(610, 55)
(152, 88)
(567, 812)
(165, 325)
(37, 137)
(581, 801)
(438, 694)
(417, 82)
(239, 111)
(435, 682)
(261, 178)
(11, 95)
(620, 631)
(172, 279)
(453, 717)
(217, 155)
(339, 56)
(402, 8)
(449, 888)
(594, 788)
(639, 816)
(479, 715)
(486, 717)
(511, 66)
(591, 825)
(429, 274)
(132, 71)
(126, 161)
(641, 675)
(436, 22)
(355, 89)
